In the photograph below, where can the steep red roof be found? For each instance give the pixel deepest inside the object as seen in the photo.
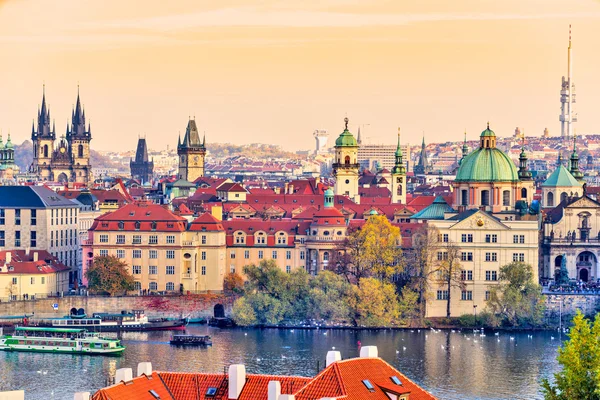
(345, 379)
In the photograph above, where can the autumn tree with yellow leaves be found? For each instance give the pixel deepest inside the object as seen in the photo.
(372, 250)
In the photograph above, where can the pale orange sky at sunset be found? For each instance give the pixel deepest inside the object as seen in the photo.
(274, 71)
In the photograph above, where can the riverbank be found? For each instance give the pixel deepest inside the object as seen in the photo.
(191, 306)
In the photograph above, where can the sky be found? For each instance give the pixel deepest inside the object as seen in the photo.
(273, 71)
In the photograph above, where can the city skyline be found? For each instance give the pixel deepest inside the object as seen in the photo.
(272, 71)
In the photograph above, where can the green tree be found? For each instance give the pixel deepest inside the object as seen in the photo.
(517, 298)
(243, 312)
(375, 303)
(108, 274)
(579, 357)
(328, 298)
(371, 250)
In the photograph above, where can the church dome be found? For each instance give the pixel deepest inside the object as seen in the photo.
(487, 164)
(346, 139)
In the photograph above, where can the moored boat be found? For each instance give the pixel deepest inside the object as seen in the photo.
(134, 321)
(59, 340)
(191, 340)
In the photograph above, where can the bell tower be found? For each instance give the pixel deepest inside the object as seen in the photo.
(191, 153)
(345, 166)
(398, 176)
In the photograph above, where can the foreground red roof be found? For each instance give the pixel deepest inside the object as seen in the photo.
(340, 380)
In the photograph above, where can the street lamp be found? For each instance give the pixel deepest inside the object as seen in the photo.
(475, 311)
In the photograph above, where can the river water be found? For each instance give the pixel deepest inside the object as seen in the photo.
(451, 365)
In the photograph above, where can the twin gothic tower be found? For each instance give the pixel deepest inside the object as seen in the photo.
(69, 159)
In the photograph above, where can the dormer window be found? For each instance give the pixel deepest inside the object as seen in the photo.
(137, 225)
(153, 225)
(121, 225)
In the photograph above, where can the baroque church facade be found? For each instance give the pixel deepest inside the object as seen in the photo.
(67, 160)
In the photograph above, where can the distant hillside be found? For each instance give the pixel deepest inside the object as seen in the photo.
(24, 157)
(250, 150)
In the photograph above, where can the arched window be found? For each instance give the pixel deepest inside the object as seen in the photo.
(563, 196)
(170, 286)
(485, 197)
(464, 197)
(137, 285)
(524, 193)
(326, 256)
(153, 286)
(45, 150)
(137, 225)
(506, 198)
(347, 160)
(399, 190)
(80, 151)
(550, 198)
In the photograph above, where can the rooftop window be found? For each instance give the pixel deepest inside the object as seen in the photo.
(368, 385)
(154, 394)
(211, 391)
(396, 380)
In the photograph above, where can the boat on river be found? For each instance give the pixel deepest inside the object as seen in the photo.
(59, 340)
(191, 340)
(134, 321)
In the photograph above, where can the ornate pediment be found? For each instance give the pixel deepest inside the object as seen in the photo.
(583, 202)
(479, 221)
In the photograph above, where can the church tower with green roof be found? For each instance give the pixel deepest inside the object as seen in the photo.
(398, 187)
(345, 165)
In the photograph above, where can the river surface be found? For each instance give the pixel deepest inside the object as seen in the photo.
(451, 365)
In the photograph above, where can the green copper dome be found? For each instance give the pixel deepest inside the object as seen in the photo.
(488, 132)
(346, 139)
(487, 165)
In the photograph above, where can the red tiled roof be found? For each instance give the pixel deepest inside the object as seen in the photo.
(345, 378)
(342, 379)
(22, 263)
(206, 222)
(151, 217)
(137, 389)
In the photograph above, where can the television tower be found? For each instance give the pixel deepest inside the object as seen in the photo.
(567, 99)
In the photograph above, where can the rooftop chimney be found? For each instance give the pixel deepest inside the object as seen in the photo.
(13, 395)
(35, 256)
(333, 356)
(144, 368)
(368, 352)
(274, 390)
(82, 396)
(237, 379)
(125, 375)
(8, 257)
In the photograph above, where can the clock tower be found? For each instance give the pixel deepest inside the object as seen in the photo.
(191, 152)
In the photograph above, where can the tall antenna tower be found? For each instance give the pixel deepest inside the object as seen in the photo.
(567, 98)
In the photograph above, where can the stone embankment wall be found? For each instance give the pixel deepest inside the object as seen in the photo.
(188, 306)
(571, 303)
